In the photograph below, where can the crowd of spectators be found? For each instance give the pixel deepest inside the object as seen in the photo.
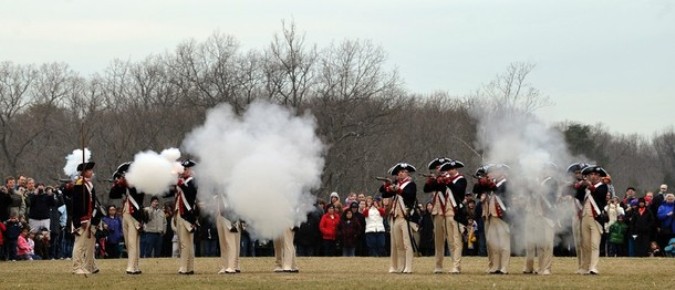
(35, 226)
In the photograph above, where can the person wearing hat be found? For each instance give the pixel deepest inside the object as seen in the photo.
(186, 217)
(571, 204)
(335, 202)
(402, 192)
(643, 224)
(86, 217)
(449, 216)
(539, 224)
(133, 216)
(481, 189)
(592, 218)
(229, 237)
(495, 214)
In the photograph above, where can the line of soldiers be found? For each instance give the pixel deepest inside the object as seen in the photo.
(87, 213)
(537, 212)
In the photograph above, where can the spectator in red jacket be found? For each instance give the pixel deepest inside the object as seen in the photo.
(328, 228)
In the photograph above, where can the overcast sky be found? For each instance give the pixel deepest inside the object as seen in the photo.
(599, 61)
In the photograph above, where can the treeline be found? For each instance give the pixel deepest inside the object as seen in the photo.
(363, 111)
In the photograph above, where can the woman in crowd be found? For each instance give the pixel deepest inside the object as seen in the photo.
(328, 228)
(112, 227)
(349, 232)
(375, 231)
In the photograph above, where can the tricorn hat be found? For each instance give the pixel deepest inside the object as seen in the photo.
(452, 164)
(401, 166)
(496, 167)
(594, 168)
(188, 163)
(122, 169)
(482, 171)
(85, 166)
(574, 167)
(437, 161)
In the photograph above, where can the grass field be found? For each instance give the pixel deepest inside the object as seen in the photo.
(337, 273)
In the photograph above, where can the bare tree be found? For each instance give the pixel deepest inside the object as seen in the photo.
(288, 67)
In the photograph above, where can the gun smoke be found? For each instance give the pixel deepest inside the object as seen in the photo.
(154, 173)
(265, 162)
(534, 151)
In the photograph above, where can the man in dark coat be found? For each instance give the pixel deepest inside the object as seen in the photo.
(186, 217)
(592, 217)
(402, 194)
(449, 190)
(642, 225)
(132, 216)
(86, 217)
(496, 214)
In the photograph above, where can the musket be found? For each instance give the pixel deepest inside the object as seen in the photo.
(383, 179)
(62, 180)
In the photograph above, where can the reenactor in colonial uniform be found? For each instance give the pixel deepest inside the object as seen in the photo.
(229, 237)
(592, 217)
(284, 252)
(403, 192)
(86, 218)
(572, 200)
(540, 224)
(132, 216)
(449, 216)
(495, 214)
(481, 189)
(185, 218)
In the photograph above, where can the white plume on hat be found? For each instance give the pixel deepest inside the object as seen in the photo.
(154, 173)
(75, 159)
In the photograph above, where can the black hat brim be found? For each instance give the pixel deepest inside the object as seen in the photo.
(594, 169)
(437, 162)
(86, 166)
(451, 165)
(401, 166)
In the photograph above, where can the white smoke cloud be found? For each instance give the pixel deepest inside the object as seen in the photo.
(265, 162)
(75, 159)
(154, 173)
(525, 143)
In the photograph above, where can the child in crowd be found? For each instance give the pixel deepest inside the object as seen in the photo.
(617, 232)
(654, 250)
(25, 245)
(14, 226)
(670, 248)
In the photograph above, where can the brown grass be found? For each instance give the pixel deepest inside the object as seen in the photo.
(337, 273)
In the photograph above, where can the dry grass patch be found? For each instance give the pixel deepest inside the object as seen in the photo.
(337, 273)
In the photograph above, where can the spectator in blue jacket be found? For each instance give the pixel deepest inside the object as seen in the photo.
(112, 228)
(667, 220)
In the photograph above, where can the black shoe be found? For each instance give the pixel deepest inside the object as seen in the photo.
(138, 272)
(292, 271)
(131, 273)
(233, 230)
(187, 273)
(238, 271)
(528, 272)
(593, 273)
(96, 271)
